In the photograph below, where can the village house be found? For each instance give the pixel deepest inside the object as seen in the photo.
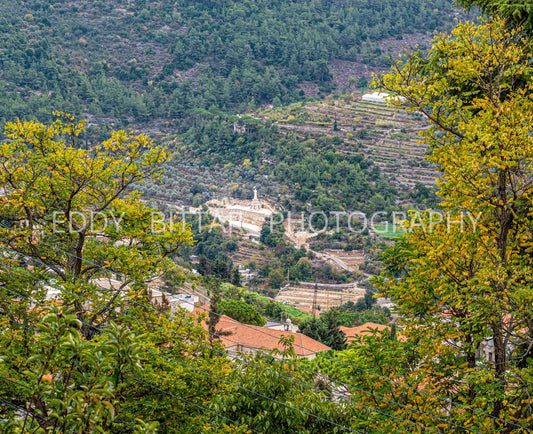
(244, 338)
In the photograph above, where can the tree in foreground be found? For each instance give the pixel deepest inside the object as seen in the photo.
(74, 213)
(81, 347)
(515, 13)
(276, 396)
(463, 281)
(242, 312)
(325, 329)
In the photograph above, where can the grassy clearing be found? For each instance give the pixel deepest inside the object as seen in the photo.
(388, 230)
(295, 314)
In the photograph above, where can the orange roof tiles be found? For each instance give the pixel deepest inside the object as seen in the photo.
(245, 337)
(367, 329)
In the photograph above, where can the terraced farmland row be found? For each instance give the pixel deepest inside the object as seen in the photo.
(327, 295)
(387, 137)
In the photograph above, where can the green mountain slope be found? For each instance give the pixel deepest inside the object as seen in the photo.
(137, 61)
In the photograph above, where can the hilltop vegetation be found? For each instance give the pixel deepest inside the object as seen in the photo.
(139, 61)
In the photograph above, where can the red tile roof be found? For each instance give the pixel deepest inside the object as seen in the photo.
(244, 337)
(367, 329)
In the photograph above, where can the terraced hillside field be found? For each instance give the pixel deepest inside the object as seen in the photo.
(301, 295)
(387, 137)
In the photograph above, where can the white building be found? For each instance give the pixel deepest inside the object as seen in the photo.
(184, 301)
(380, 97)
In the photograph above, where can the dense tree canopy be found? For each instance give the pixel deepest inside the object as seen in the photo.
(463, 281)
(516, 13)
(79, 202)
(123, 62)
(241, 311)
(325, 329)
(77, 247)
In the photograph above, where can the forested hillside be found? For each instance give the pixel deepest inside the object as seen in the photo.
(120, 62)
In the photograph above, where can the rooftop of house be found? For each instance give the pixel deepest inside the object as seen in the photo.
(245, 337)
(367, 329)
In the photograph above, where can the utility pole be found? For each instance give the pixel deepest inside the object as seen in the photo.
(315, 296)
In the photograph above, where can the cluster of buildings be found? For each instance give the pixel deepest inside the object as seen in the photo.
(246, 216)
